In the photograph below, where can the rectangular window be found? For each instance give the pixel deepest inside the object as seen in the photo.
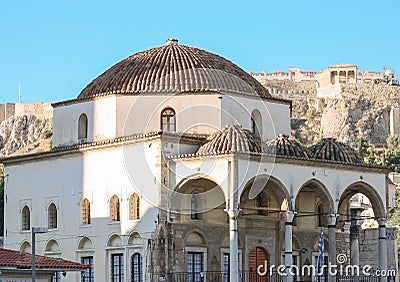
(56, 277)
(225, 268)
(88, 274)
(117, 267)
(194, 266)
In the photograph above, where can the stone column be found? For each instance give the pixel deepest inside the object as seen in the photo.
(288, 217)
(233, 246)
(382, 246)
(354, 236)
(332, 242)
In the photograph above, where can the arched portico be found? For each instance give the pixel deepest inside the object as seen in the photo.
(370, 192)
(197, 195)
(350, 215)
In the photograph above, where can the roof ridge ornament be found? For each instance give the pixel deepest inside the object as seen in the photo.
(171, 41)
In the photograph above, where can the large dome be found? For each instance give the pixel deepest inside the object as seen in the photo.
(173, 68)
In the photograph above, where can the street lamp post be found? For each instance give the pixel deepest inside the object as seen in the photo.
(34, 231)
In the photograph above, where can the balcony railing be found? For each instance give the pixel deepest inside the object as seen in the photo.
(246, 276)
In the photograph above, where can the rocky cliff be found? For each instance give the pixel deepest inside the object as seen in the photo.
(25, 128)
(368, 111)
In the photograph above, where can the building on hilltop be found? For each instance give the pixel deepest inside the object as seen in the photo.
(329, 82)
(177, 164)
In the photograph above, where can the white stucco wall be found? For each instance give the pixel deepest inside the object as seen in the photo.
(197, 113)
(101, 120)
(275, 116)
(96, 175)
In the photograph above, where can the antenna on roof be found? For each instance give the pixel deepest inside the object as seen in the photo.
(19, 91)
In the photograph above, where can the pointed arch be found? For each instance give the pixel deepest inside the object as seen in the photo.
(25, 247)
(369, 191)
(85, 211)
(114, 208)
(265, 194)
(197, 191)
(134, 207)
(26, 218)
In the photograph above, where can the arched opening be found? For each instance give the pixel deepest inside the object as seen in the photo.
(135, 239)
(196, 255)
(313, 204)
(263, 196)
(85, 244)
(134, 207)
(362, 203)
(52, 247)
(86, 254)
(136, 267)
(199, 199)
(26, 218)
(114, 208)
(256, 123)
(52, 216)
(114, 241)
(25, 247)
(168, 121)
(85, 212)
(83, 127)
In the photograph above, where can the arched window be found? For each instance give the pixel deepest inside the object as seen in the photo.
(26, 218)
(85, 212)
(134, 207)
(194, 207)
(52, 216)
(114, 208)
(136, 268)
(83, 127)
(256, 123)
(168, 122)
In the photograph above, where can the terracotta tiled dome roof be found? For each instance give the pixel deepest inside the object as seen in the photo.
(282, 145)
(173, 68)
(333, 150)
(232, 138)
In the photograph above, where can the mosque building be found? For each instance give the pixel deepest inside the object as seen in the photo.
(177, 164)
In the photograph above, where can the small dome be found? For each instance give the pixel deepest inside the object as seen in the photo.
(232, 138)
(173, 68)
(282, 145)
(333, 150)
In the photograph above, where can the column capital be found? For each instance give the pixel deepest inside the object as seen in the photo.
(331, 219)
(233, 213)
(288, 216)
(382, 221)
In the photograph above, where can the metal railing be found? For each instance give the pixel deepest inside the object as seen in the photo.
(246, 276)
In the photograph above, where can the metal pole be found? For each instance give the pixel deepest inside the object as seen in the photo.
(33, 256)
(34, 231)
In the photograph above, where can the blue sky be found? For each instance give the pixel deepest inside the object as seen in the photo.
(55, 48)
